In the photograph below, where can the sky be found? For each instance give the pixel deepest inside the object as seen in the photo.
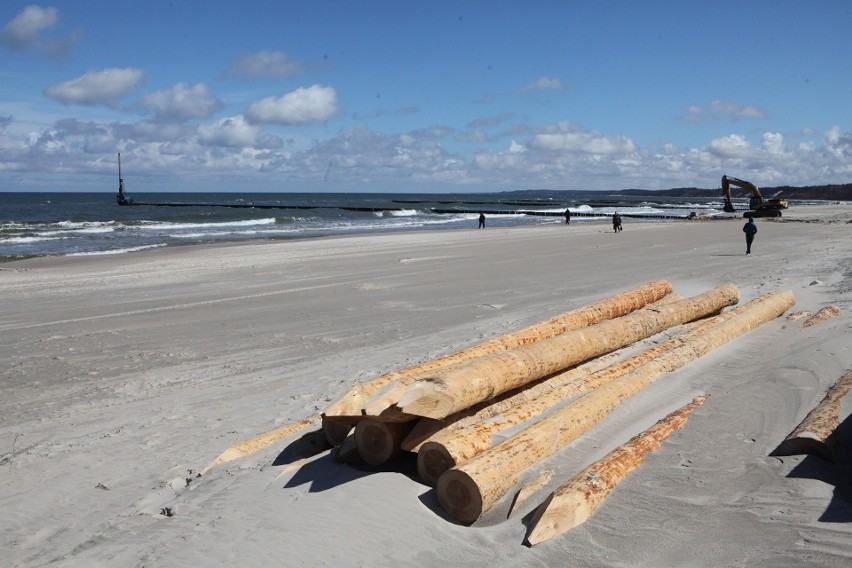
(423, 97)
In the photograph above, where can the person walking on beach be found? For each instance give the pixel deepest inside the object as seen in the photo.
(616, 222)
(482, 220)
(750, 230)
(567, 216)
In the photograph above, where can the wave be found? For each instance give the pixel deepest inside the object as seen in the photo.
(29, 240)
(161, 226)
(116, 251)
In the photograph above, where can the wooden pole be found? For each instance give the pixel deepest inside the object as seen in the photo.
(814, 434)
(462, 440)
(573, 503)
(252, 445)
(354, 400)
(473, 487)
(455, 388)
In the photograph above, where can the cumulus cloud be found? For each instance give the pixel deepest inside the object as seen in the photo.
(303, 106)
(97, 87)
(27, 29)
(722, 110)
(235, 132)
(267, 64)
(182, 102)
(566, 137)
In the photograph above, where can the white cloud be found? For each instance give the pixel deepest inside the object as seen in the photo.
(182, 102)
(24, 31)
(302, 106)
(97, 87)
(235, 132)
(566, 137)
(273, 64)
(722, 110)
(544, 84)
(27, 29)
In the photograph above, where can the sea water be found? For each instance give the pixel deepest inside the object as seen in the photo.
(41, 224)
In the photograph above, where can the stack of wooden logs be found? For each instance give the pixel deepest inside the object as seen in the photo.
(545, 385)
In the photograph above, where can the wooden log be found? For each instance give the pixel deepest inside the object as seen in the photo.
(353, 401)
(379, 442)
(573, 503)
(814, 435)
(428, 427)
(825, 313)
(382, 404)
(462, 440)
(798, 315)
(473, 487)
(252, 445)
(455, 388)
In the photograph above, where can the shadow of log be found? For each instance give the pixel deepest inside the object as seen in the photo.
(837, 474)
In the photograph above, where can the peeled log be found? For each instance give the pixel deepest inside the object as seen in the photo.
(381, 404)
(353, 401)
(428, 427)
(461, 441)
(814, 433)
(252, 445)
(573, 503)
(460, 386)
(473, 487)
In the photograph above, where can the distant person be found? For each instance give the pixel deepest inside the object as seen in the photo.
(616, 222)
(567, 216)
(482, 220)
(750, 230)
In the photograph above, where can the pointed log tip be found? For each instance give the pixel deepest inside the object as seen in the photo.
(804, 444)
(423, 399)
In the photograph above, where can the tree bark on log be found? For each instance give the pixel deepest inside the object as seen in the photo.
(252, 445)
(825, 313)
(814, 435)
(381, 404)
(461, 441)
(473, 487)
(455, 388)
(620, 304)
(573, 503)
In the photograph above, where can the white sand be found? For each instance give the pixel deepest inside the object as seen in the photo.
(123, 376)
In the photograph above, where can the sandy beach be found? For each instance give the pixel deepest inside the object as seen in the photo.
(125, 375)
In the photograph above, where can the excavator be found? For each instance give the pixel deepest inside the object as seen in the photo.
(757, 205)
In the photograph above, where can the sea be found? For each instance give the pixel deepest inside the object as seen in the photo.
(74, 224)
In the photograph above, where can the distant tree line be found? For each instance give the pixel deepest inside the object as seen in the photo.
(834, 192)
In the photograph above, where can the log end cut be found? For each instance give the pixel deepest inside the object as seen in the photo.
(459, 496)
(336, 429)
(424, 399)
(432, 461)
(804, 443)
(379, 442)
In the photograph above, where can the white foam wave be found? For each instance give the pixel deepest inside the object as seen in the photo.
(213, 225)
(116, 251)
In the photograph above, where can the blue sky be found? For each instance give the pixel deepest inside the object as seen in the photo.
(423, 96)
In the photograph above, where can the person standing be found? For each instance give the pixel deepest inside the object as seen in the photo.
(482, 220)
(616, 222)
(567, 216)
(750, 230)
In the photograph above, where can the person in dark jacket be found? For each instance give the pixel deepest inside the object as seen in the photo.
(750, 230)
(567, 216)
(482, 220)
